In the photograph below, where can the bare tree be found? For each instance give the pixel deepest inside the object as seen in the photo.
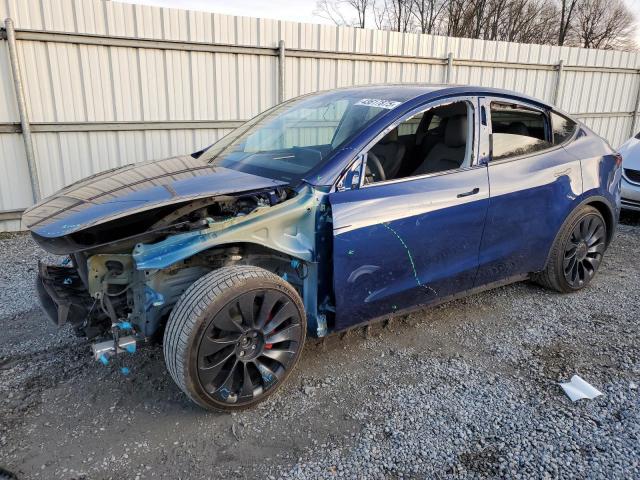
(588, 23)
(330, 10)
(428, 14)
(456, 19)
(361, 7)
(604, 24)
(333, 10)
(394, 15)
(567, 9)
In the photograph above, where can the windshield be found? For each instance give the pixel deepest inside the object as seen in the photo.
(291, 139)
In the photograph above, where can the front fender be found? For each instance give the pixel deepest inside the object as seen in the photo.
(288, 227)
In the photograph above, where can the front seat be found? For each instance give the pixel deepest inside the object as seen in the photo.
(518, 128)
(448, 154)
(390, 152)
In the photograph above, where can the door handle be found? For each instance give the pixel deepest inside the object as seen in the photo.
(469, 193)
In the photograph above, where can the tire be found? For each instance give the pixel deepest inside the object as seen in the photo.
(234, 337)
(576, 253)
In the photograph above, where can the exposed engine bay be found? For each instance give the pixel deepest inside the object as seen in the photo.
(127, 274)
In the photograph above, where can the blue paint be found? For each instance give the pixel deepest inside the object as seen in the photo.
(267, 376)
(124, 325)
(152, 298)
(125, 370)
(423, 239)
(131, 348)
(104, 359)
(225, 392)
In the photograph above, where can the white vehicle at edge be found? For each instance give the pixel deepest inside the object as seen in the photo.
(630, 152)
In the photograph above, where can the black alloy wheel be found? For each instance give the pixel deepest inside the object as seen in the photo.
(583, 250)
(577, 251)
(249, 345)
(234, 337)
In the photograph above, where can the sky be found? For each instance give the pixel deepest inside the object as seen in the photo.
(295, 10)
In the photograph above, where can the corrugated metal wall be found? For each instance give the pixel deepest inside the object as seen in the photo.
(98, 83)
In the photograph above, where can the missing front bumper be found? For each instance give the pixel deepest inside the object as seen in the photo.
(62, 294)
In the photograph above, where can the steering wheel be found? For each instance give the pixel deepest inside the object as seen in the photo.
(374, 168)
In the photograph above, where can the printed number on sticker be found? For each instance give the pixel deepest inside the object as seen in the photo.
(376, 102)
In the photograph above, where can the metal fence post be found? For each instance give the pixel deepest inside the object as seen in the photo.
(449, 72)
(556, 94)
(281, 60)
(636, 111)
(22, 109)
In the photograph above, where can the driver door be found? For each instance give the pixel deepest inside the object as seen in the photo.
(405, 242)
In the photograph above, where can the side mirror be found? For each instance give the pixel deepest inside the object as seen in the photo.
(351, 179)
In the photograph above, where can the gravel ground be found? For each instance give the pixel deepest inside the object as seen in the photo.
(465, 390)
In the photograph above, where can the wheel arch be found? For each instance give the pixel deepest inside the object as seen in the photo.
(298, 272)
(603, 206)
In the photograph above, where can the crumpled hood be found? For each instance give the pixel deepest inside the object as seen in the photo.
(630, 152)
(135, 188)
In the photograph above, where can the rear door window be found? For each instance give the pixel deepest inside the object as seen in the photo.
(517, 130)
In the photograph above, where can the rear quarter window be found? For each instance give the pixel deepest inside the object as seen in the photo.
(517, 130)
(563, 128)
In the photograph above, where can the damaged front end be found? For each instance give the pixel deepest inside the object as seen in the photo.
(65, 299)
(129, 286)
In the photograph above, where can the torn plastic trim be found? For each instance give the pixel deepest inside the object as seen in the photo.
(288, 227)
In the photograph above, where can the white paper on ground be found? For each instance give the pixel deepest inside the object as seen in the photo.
(577, 388)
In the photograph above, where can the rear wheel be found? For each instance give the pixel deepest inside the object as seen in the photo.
(234, 337)
(577, 252)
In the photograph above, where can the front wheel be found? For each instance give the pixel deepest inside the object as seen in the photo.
(234, 337)
(576, 253)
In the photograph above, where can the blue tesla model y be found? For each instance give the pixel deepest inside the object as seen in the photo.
(325, 212)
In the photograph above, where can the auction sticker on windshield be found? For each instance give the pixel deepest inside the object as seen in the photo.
(376, 102)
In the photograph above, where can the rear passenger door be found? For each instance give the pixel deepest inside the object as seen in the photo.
(533, 184)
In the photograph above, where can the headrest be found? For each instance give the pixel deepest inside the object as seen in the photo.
(392, 136)
(455, 134)
(518, 128)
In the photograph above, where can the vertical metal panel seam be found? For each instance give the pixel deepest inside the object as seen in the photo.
(107, 29)
(636, 111)
(214, 73)
(165, 60)
(22, 108)
(237, 65)
(140, 83)
(556, 97)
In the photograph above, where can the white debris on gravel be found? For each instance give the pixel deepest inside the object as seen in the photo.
(577, 389)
